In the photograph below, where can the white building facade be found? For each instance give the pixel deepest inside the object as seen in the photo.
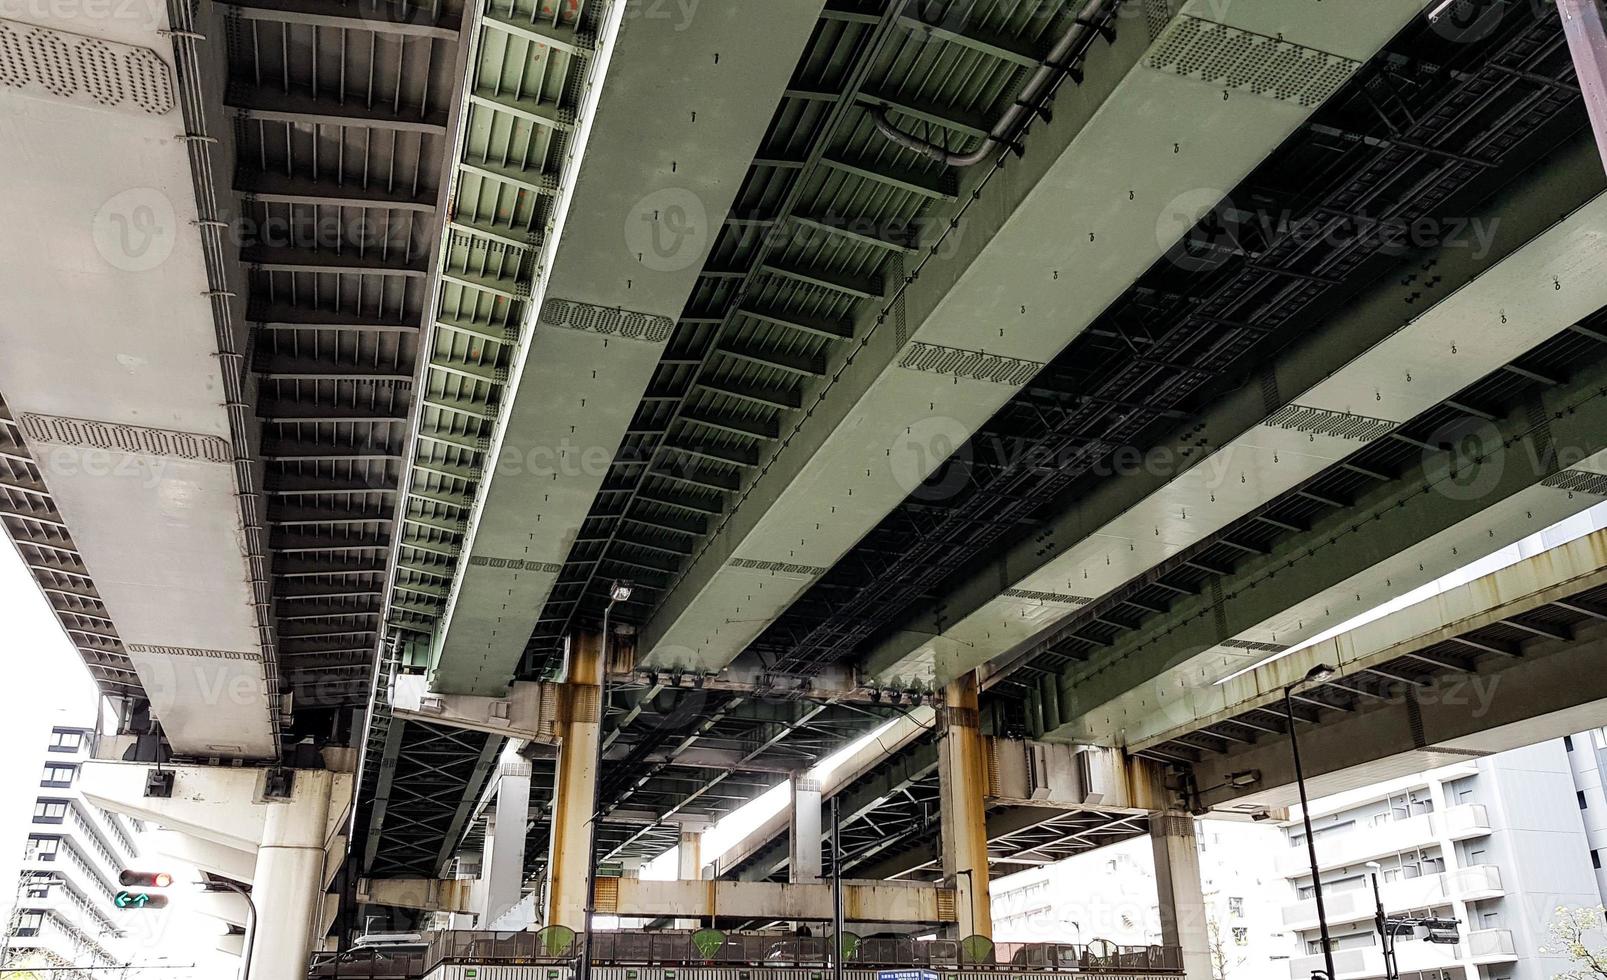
(64, 912)
(1497, 843)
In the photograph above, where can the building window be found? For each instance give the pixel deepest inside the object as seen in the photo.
(1595, 860)
(49, 811)
(1241, 936)
(1583, 803)
(1236, 907)
(64, 741)
(43, 848)
(58, 775)
(29, 923)
(1568, 742)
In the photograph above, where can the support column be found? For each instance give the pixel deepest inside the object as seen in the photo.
(575, 787)
(803, 859)
(1586, 29)
(288, 881)
(1177, 886)
(963, 781)
(502, 866)
(689, 863)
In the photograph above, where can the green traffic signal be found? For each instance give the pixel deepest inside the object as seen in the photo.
(139, 900)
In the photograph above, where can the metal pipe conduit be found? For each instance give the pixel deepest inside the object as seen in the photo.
(1061, 62)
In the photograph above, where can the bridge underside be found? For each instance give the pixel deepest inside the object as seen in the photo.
(734, 390)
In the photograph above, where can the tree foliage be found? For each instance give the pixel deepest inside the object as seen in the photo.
(1575, 935)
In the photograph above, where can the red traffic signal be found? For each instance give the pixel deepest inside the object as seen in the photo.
(145, 879)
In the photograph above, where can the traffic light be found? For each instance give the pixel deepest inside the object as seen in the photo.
(141, 899)
(145, 879)
(1441, 931)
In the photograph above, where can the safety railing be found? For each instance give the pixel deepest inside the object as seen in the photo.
(709, 948)
(373, 963)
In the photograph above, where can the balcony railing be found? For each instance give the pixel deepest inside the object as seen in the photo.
(1483, 947)
(1356, 847)
(1357, 904)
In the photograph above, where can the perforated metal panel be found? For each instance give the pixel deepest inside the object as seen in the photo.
(44, 63)
(1578, 481)
(1248, 62)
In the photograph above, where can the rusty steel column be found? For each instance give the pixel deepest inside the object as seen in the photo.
(1583, 23)
(963, 780)
(575, 786)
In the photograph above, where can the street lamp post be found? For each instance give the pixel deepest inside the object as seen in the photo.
(1320, 672)
(1386, 932)
(224, 885)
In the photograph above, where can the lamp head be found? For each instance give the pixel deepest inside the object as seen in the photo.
(1321, 672)
(619, 592)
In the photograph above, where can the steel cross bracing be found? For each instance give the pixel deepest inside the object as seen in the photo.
(1420, 125)
(1081, 639)
(35, 526)
(823, 225)
(420, 798)
(704, 754)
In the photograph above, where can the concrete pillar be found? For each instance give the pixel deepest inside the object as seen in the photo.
(575, 788)
(502, 865)
(963, 780)
(1586, 30)
(287, 883)
(1177, 886)
(689, 863)
(803, 858)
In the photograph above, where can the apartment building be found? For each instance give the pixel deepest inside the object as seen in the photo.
(1497, 843)
(1110, 894)
(64, 912)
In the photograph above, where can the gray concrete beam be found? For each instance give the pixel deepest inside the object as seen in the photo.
(1558, 688)
(1249, 447)
(1556, 576)
(1126, 152)
(1441, 514)
(1434, 519)
(680, 108)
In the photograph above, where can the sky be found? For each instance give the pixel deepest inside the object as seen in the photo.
(44, 684)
